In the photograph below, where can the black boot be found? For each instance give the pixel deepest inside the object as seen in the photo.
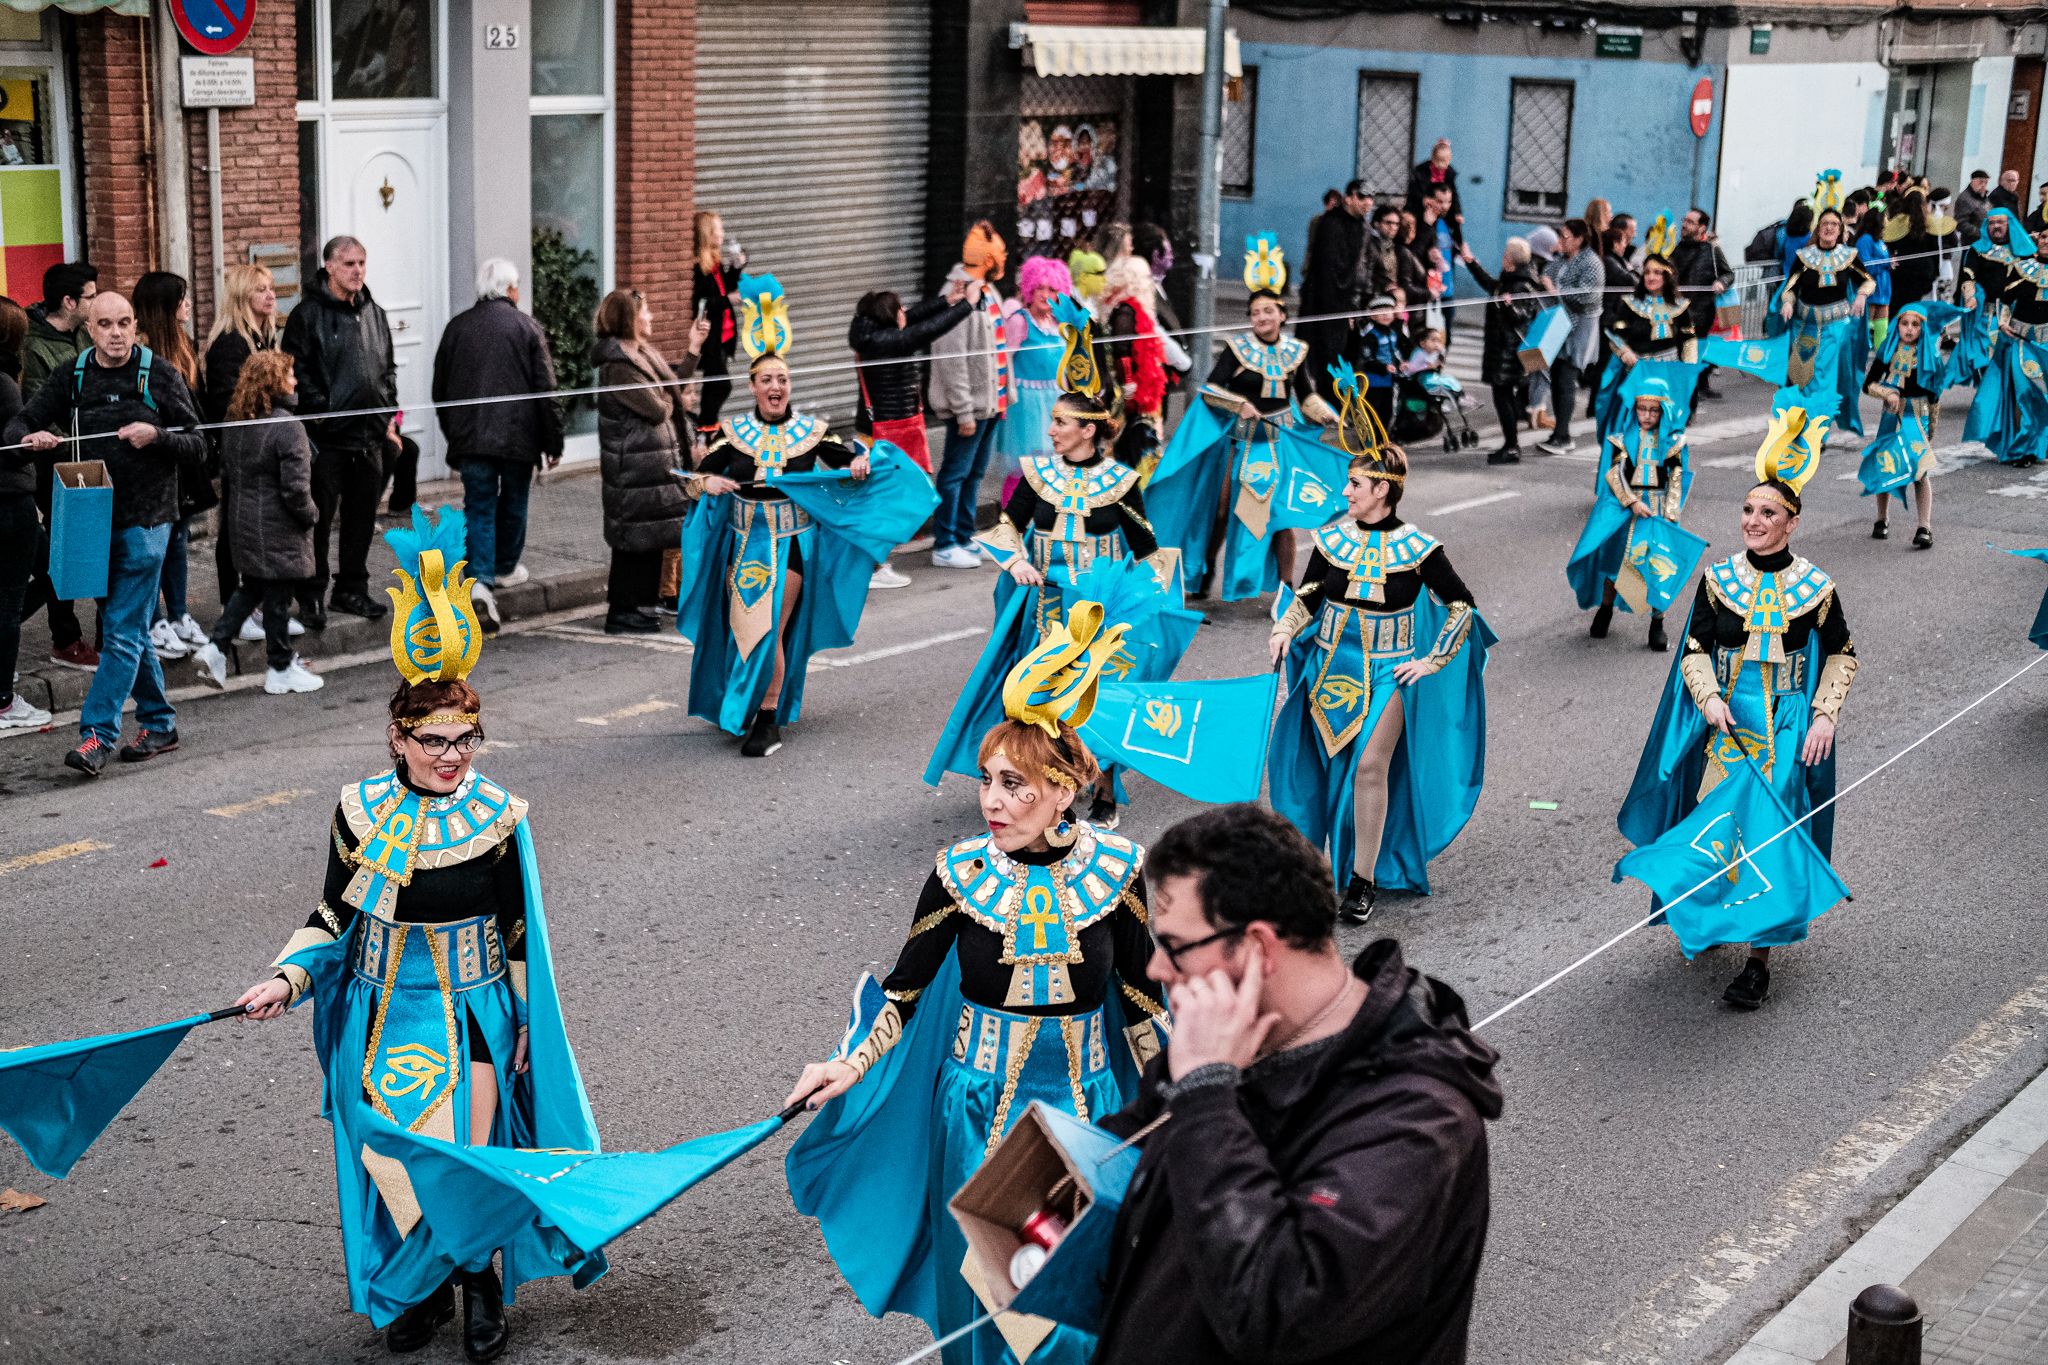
(1360, 897)
(1602, 619)
(1749, 990)
(763, 736)
(415, 1327)
(1658, 640)
(483, 1315)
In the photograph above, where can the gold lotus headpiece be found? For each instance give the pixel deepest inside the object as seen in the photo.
(1056, 681)
(434, 629)
(764, 317)
(1359, 430)
(1790, 454)
(1265, 265)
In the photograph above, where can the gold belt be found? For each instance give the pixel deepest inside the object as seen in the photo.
(1386, 634)
(1779, 679)
(785, 518)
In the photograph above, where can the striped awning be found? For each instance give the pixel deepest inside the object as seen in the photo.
(137, 8)
(1089, 50)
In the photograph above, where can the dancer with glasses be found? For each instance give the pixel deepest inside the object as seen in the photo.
(427, 957)
(1023, 980)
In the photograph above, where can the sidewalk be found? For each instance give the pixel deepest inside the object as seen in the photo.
(1969, 1243)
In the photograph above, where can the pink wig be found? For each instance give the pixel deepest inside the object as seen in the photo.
(1044, 270)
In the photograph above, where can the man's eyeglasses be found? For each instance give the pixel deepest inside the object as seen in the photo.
(1174, 953)
(436, 745)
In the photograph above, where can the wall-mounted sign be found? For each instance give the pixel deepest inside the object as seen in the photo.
(1760, 40)
(1618, 42)
(501, 37)
(214, 27)
(218, 82)
(1701, 111)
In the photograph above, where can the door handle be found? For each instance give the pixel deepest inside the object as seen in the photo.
(402, 326)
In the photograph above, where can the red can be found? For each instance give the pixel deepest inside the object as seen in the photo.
(1045, 1228)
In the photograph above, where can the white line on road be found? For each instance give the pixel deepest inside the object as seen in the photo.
(638, 708)
(666, 642)
(1685, 1300)
(891, 651)
(1470, 503)
(50, 855)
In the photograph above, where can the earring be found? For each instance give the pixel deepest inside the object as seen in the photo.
(1064, 833)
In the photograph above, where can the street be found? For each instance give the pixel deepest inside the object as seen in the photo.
(1667, 1171)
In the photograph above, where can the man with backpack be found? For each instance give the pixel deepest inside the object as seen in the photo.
(139, 418)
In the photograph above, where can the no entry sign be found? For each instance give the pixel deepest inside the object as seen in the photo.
(1702, 110)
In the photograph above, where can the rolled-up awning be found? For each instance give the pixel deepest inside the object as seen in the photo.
(1089, 50)
(137, 8)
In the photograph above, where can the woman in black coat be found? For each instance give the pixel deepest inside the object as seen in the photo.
(246, 324)
(1517, 298)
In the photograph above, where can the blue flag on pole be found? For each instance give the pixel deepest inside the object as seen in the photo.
(1206, 740)
(55, 1100)
(1662, 555)
(1312, 479)
(2039, 633)
(1735, 871)
(1761, 359)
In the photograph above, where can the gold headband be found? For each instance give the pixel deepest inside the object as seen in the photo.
(441, 718)
(1387, 475)
(1060, 779)
(1098, 413)
(1764, 490)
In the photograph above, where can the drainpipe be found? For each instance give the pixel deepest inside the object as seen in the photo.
(1208, 189)
(173, 207)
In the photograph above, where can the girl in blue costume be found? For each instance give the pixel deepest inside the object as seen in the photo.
(1072, 509)
(1644, 476)
(1907, 376)
(427, 957)
(1032, 338)
(1765, 667)
(1651, 323)
(2009, 412)
(775, 564)
(1026, 956)
(1225, 464)
(1823, 301)
(1379, 749)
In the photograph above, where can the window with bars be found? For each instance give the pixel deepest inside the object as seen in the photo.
(1240, 133)
(1539, 149)
(1386, 132)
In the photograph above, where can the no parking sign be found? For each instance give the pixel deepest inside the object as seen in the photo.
(214, 27)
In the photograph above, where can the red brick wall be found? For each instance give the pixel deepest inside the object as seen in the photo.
(657, 151)
(119, 233)
(259, 155)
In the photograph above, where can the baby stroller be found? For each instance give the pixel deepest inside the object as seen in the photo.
(1429, 403)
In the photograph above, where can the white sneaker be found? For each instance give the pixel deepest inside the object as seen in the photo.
(212, 664)
(166, 643)
(887, 577)
(486, 603)
(955, 557)
(188, 630)
(19, 715)
(518, 575)
(296, 677)
(251, 632)
(294, 627)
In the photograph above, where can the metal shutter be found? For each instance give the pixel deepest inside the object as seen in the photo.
(812, 138)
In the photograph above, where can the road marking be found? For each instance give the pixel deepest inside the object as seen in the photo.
(51, 855)
(1470, 503)
(1732, 462)
(1685, 1300)
(638, 708)
(891, 651)
(665, 643)
(256, 803)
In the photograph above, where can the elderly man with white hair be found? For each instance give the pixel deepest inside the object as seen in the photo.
(494, 351)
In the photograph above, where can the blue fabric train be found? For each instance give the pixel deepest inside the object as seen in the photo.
(2009, 412)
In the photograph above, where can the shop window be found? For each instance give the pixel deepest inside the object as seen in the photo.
(570, 137)
(31, 185)
(1240, 135)
(382, 49)
(1386, 132)
(27, 133)
(1070, 160)
(568, 48)
(1539, 149)
(309, 201)
(308, 39)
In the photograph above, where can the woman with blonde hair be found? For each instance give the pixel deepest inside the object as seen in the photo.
(245, 324)
(268, 466)
(1128, 308)
(714, 275)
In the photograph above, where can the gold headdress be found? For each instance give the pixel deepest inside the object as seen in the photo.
(1084, 395)
(1827, 192)
(1265, 266)
(764, 317)
(1790, 454)
(1662, 238)
(1359, 430)
(434, 629)
(1056, 681)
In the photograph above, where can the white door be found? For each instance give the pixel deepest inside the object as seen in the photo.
(387, 184)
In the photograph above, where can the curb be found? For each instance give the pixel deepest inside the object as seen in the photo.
(1812, 1328)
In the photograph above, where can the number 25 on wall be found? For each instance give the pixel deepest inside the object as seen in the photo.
(501, 37)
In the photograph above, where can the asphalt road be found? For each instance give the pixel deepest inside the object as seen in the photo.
(1666, 1173)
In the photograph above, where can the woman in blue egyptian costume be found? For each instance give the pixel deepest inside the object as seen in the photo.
(1215, 487)
(1379, 748)
(1765, 667)
(1823, 301)
(1023, 979)
(1644, 476)
(427, 958)
(1649, 324)
(775, 566)
(1074, 509)
(1907, 376)
(2009, 412)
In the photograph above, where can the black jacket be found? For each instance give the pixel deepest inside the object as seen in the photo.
(1329, 284)
(224, 361)
(17, 467)
(1330, 1205)
(107, 399)
(489, 351)
(1517, 298)
(342, 356)
(890, 391)
(1703, 272)
(1419, 185)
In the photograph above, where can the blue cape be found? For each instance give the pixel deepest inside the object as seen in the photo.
(2009, 412)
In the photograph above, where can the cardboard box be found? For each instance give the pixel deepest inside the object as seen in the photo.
(1049, 1158)
(81, 529)
(1544, 338)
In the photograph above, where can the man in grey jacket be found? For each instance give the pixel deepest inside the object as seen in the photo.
(964, 392)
